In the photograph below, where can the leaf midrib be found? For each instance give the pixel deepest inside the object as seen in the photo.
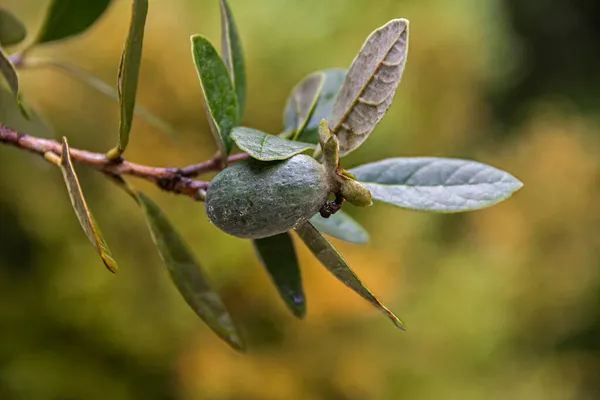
(364, 87)
(438, 185)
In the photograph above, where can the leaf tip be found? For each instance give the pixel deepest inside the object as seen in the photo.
(110, 264)
(64, 147)
(514, 185)
(518, 185)
(297, 305)
(301, 314)
(400, 21)
(401, 326)
(195, 38)
(237, 343)
(395, 320)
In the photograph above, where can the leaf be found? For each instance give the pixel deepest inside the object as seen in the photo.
(10, 75)
(233, 55)
(12, 117)
(370, 85)
(333, 82)
(265, 147)
(301, 103)
(436, 184)
(67, 18)
(85, 217)
(278, 256)
(89, 79)
(219, 95)
(187, 274)
(340, 225)
(129, 70)
(335, 263)
(12, 30)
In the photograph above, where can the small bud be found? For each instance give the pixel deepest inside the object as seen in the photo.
(346, 183)
(324, 132)
(355, 193)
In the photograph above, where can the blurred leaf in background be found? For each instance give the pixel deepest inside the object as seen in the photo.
(66, 18)
(12, 30)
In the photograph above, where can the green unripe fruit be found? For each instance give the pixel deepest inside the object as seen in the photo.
(255, 199)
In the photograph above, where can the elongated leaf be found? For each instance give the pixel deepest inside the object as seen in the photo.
(265, 147)
(10, 75)
(233, 55)
(334, 78)
(436, 184)
(302, 101)
(85, 217)
(335, 263)
(12, 117)
(219, 94)
(129, 70)
(340, 225)
(12, 30)
(187, 274)
(67, 18)
(93, 81)
(370, 85)
(278, 256)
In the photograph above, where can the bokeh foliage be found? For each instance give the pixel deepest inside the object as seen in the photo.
(502, 303)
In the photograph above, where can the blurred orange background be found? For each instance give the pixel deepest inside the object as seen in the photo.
(500, 303)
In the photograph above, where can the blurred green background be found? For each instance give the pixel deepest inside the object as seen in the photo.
(501, 303)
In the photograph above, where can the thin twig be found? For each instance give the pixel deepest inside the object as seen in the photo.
(174, 180)
(214, 164)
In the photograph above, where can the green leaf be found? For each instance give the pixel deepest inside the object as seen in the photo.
(331, 86)
(12, 30)
(219, 94)
(278, 256)
(233, 55)
(335, 263)
(85, 217)
(302, 101)
(129, 70)
(12, 117)
(370, 85)
(340, 225)
(89, 79)
(187, 274)
(265, 147)
(67, 18)
(436, 184)
(10, 75)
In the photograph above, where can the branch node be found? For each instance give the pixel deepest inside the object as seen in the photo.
(174, 180)
(114, 155)
(169, 183)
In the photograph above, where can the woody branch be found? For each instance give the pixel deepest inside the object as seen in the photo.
(174, 180)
